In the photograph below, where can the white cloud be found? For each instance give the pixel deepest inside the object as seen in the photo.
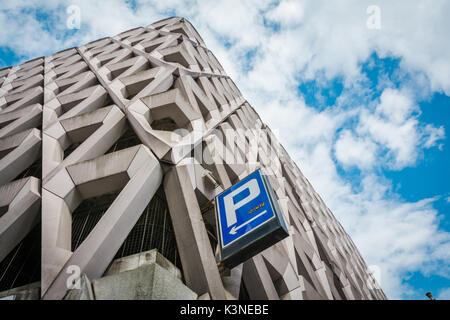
(395, 126)
(287, 13)
(444, 294)
(317, 40)
(392, 127)
(432, 135)
(352, 151)
(395, 106)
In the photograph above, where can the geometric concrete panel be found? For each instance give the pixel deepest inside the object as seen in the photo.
(17, 101)
(18, 152)
(19, 205)
(103, 125)
(20, 120)
(140, 176)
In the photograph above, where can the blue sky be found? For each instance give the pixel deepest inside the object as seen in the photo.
(364, 112)
(428, 178)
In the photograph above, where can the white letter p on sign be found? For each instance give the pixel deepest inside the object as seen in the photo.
(231, 207)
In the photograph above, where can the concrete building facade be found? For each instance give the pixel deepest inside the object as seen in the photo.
(111, 156)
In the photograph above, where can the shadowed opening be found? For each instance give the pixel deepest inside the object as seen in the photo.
(22, 265)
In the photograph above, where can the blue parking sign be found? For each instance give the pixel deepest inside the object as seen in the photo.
(249, 219)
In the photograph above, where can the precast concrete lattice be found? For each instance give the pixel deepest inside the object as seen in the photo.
(61, 117)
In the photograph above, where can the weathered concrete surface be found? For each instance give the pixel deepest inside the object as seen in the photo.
(139, 259)
(143, 276)
(28, 292)
(148, 282)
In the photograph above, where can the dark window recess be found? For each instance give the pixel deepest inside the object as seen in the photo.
(22, 265)
(153, 230)
(164, 124)
(128, 139)
(3, 210)
(4, 124)
(243, 293)
(86, 216)
(35, 170)
(71, 149)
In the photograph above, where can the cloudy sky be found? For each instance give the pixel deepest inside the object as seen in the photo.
(357, 91)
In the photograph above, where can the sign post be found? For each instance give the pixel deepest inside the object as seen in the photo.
(249, 219)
